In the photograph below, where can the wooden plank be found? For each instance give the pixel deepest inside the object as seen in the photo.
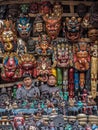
(30, 1)
(16, 2)
(9, 84)
(64, 15)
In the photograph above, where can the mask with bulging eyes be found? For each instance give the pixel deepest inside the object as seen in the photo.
(24, 27)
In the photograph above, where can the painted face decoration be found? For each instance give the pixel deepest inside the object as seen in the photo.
(34, 8)
(24, 27)
(72, 28)
(93, 34)
(43, 68)
(8, 35)
(11, 70)
(82, 55)
(44, 47)
(28, 64)
(24, 8)
(45, 7)
(38, 25)
(53, 23)
(61, 54)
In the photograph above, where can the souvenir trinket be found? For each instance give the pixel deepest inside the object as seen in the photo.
(19, 122)
(8, 36)
(38, 26)
(24, 8)
(71, 82)
(11, 70)
(43, 68)
(94, 15)
(24, 27)
(72, 29)
(45, 7)
(34, 8)
(44, 47)
(82, 59)
(81, 10)
(93, 35)
(53, 23)
(28, 64)
(31, 46)
(21, 47)
(94, 68)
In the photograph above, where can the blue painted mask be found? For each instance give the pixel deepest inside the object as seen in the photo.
(24, 27)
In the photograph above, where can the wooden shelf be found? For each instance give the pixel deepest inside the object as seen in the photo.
(9, 84)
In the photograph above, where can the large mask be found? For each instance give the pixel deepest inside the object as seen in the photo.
(82, 59)
(11, 70)
(43, 68)
(44, 47)
(82, 55)
(72, 28)
(24, 27)
(61, 54)
(8, 35)
(53, 24)
(28, 64)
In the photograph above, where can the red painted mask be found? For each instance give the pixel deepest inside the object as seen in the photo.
(53, 23)
(11, 70)
(28, 64)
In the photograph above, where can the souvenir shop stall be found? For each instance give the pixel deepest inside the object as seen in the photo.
(48, 65)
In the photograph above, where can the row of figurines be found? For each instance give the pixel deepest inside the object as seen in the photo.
(47, 101)
(57, 122)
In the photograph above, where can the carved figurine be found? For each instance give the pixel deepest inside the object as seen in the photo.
(28, 64)
(21, 47)
(43, 68)
(11, 70)
(53, 24)
(44, 47)
(71, 82)
(8, 36)
(24, 27)
(82, 59)
(72, 29)
(93, 35)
